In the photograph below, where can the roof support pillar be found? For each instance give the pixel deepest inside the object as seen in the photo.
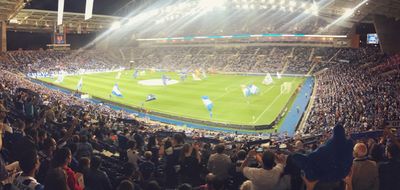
(3, 36)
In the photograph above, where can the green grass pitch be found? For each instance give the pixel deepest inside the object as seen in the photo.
(184, 99)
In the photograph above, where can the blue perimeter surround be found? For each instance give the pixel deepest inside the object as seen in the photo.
(298, 108)
(289, 124)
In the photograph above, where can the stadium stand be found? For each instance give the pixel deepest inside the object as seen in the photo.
(357, 94)
(348, 137)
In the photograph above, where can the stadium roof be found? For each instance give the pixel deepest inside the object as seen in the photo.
(32, 20)
(9, 8)
(389, 8)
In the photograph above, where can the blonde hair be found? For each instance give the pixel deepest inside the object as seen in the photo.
(247, 185)
(360, 150)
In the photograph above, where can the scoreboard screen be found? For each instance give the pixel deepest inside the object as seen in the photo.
(372, 39)
(59, 39)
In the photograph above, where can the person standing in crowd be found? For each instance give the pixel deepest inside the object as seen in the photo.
(29, 164)
(94, 178)
(190, 165)
(172, 167)
(56, 179)
(267, 176)
(219, 163)
(45, 157)
(3, 114)
(153, 148)
(365, 172)
(62, 158)
(389, 172)
(147, 168)
(84, 148)
(132, 153)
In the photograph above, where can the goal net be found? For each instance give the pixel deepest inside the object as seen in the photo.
(286, 87)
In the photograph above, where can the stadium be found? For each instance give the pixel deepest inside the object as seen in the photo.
(200, 94)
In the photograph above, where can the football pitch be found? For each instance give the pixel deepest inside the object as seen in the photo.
(183, 99)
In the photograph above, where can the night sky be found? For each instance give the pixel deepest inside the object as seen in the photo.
(107, 7)
(27, 40)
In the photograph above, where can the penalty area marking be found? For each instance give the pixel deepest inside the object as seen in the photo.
(269, 106)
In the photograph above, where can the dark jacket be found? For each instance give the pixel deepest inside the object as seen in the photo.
(96, 180)
(389, 175)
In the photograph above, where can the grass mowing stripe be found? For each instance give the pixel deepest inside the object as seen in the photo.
(184, 99)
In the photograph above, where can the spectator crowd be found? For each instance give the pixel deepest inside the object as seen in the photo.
(51, 140)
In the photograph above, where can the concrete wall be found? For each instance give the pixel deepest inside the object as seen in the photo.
(388, 30)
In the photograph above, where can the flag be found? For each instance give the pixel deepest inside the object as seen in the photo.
(79, 85)
(268, 79)
(208, 103)
(195, 77)
(165, 79)
(204, 74)
(183, 76)
(118, 75)
(250, 90)
(60, 78)
(246, 91)
(60, 12)
(278, 75)
(135, 74)
(116, 91)
(89, 9)
(253, 89)
(150, 97)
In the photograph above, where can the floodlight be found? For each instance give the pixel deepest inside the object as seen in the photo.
(314, 9)
(116, 25)
(303, 5)
(210, 4)
(274, 7)
(292, 3)
(348, 12)
(252, 6)
(271, 1)
(314, 6)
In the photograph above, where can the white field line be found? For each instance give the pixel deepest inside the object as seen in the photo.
(269, 106)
